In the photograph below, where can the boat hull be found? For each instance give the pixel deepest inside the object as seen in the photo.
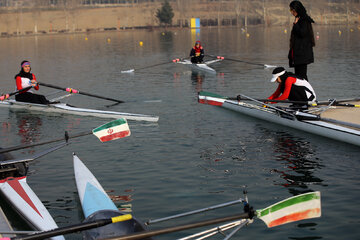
(198, 66)
(97, 205)
(63, 108)
(318, 127)
(27, 204)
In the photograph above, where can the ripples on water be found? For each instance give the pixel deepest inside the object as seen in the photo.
(197, 155)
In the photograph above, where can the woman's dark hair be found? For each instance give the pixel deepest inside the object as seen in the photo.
(301, 11)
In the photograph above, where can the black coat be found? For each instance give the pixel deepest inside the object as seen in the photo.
(301, 43)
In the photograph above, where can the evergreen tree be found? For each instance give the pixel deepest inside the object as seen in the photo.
(165, 14)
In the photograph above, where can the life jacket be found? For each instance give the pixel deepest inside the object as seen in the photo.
(198, 50)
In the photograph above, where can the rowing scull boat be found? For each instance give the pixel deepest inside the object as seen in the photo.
(96, 204)
(200, 66)
(63, 108)
(312, 123)
(14, 188)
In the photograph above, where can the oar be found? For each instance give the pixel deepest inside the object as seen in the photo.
(242, 61)
(10, 149)
(151, 66)
(241, 97)
(300, 207)
(6, 96)
(75, 228)
(195, 211)
(142, 235)
(70, 90)
(34, 157)
(118, 129)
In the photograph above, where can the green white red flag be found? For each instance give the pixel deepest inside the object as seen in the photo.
(112, 130)
(300, 207)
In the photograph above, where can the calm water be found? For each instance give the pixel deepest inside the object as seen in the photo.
(197, 155)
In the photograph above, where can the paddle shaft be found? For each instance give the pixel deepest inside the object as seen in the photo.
(10, 149)
(335, 103)
(5, 96)
(81, 92)
(236, 60)
(142, 235)
(66, 230)
(19, 91)
(155, 65)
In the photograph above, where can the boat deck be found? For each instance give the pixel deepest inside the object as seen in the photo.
(345, 114)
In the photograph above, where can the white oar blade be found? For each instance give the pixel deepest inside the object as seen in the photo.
(112, 130)
(269, 66)
(128, 71)
(300, 207)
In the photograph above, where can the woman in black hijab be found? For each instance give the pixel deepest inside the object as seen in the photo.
(26, 79)
(302, 40)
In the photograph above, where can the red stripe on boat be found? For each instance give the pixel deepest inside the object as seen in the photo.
(295, 217)
(114, 136)
(6, 179)
(14, 183)
(210, 102)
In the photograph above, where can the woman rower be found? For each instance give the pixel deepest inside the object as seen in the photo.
(197, 53)
(26, 79)
(292, 88)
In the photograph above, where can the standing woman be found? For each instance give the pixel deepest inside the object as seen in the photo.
(26, 79)
(302, 40)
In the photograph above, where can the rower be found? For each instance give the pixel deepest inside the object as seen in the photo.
(197, 53)
(292, 88)
(26, 79)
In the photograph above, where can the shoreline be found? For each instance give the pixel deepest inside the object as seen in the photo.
(46, 21)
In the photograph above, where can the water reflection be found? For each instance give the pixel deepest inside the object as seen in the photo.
(197, 79)
(28, 127)
(298, 160)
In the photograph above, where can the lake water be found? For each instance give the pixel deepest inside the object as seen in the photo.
(196, 155)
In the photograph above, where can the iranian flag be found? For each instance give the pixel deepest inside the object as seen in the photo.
(293, 209)
(112, 130)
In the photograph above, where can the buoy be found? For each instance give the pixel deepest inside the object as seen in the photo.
(86, 38)
(141, 43)
(247, 34)
(339, 32)
(108, 40)
(285, 31)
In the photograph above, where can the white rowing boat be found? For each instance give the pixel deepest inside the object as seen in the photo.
(305, 121)
(14, 188)
(96, 204)
(200, 66)
(63, 108)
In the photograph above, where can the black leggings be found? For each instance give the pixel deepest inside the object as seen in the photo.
(198, 59)
(31, 98)
(301, 71)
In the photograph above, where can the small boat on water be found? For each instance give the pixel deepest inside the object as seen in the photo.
(96, 204)
(201, 66)
(63, 108)
(14, 188)
(341, 123)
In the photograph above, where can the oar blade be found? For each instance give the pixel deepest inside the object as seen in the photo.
(116, 129)
(128, 71)
(269, 66)
(211, 98)
(300, 207)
